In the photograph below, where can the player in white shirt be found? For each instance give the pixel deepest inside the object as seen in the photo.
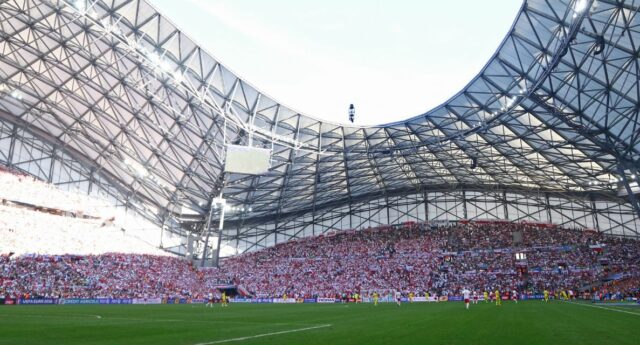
(398, 297)
(209, 301)
(466, 293)
(475, 297)
(514, 295)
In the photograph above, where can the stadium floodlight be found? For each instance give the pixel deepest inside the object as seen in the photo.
(137, 168)
(154, 58)
(79, 4)
(178, 76)
(580, 6)
(16, 94)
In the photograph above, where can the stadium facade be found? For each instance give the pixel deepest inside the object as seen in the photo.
(111, 98)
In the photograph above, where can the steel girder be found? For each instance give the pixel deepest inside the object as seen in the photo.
(443, 205)
(555, 110)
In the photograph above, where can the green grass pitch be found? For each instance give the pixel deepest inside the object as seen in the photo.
(528, 322)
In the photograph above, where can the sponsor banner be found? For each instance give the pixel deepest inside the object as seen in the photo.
(172, 301)
(116, 301)
(443, 298)
(146, 301)
(241, 300)
(263, 300)
(455, 298)
(9, 301)
(309, 300)
(286, 301)
(96, 301)
(199, 300)
(79, 301)
(38, 301)
(386, 299)
(327, 300)
(525, 297)
(178, 301)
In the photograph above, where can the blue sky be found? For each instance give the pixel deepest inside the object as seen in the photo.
(392, 59)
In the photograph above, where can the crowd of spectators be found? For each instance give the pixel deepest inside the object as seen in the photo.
(412, 258)
(94, 276)
(28, 231)
(38, 218)
(444, 260)
(21, 188)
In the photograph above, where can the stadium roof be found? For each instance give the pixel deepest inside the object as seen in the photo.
(117, 87)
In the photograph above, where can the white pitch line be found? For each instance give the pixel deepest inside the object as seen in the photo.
(263, 335)
(605, 308)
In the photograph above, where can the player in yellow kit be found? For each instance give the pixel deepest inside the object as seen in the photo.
(410, 297)
(375, 299)
(223, 299)
(546, 295)
(486, 297)
(498, 300)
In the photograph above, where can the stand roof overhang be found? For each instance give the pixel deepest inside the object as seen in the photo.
(118, 86)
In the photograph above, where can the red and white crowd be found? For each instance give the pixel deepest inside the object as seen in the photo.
(412, 258)
(441, 261)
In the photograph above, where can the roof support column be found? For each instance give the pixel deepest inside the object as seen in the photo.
(625, 182)
(53, 161)
(594, 214)
(547, 207)
(504, 204)
(386, 199)
(217, 263)
(207, 226)
(426, 205)
(464, 205)
(12, 145)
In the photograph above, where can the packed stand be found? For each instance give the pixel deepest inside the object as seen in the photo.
(26, 231)
(440, 261)
(21, 188)
(38, 218)
(413, 258)
(94, 276)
